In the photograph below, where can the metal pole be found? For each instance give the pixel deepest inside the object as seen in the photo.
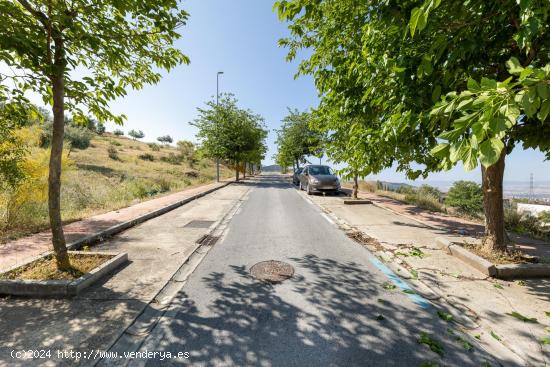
(217, 102)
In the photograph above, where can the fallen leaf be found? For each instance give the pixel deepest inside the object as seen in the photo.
(545, 341)
(380, 317)
(477, 336)
(445, 316)
(495, 336)
(388, 285)
(519, 316)
(520, 283)
(466, 344)
(547, 329)
(414, 273)
(408, 291)
(434, 345)
(496, 285)
(429, 364)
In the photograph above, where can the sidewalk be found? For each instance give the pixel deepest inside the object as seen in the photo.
(444, 279)
(455, 225)
(124, 305)
(18, 251)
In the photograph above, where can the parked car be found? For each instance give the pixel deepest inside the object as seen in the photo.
(296, 176)
(318, 178)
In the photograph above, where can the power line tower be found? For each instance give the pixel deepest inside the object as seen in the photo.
(531, 189)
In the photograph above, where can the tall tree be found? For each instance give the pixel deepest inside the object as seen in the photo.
(388, 63)
(230, 133)
(117, 44)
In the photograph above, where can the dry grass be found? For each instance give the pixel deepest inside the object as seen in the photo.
(45, 269)
(508, 257)
(95, 183)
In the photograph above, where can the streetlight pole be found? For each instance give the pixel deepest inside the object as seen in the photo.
(217, 101)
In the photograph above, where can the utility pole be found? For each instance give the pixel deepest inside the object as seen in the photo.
(531, 189)
(217, 102)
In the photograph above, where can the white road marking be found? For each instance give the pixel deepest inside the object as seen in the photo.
(328, 219)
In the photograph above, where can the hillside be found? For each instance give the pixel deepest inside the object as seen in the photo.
(113, 172)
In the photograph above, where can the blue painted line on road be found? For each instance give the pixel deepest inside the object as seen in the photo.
(416, 298)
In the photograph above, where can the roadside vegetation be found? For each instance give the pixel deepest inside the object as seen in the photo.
(100, 173)
(426, 85)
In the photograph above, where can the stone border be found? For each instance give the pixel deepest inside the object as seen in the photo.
(501, 271)
(60, 288)
(356, 201)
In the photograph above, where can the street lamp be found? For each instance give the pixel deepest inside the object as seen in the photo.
(217, 101)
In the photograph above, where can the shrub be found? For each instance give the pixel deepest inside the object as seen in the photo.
(166, 139)
(78, 137)
(115, 143)
(113, 153)
(466, 196)
(154, 147)
(367, 186)
(118, 132)
(425, 197)
(136, 134)
(100, 128)
(171, 158)
(147, 157)
(545, 216)
(427, 190)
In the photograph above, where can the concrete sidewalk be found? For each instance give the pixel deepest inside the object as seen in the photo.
(91, 322)
(19, 251)
(445, 279)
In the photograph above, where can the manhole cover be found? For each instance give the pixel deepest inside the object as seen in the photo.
(272, 271)
(199, 224)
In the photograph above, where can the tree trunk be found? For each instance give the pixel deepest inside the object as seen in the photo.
(244, 170)
(54, 179)
(491, 182)
(355, 187)
(236, 170)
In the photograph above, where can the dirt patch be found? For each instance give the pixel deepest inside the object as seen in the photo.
(364, 240)
(509, 257)
(45, 269)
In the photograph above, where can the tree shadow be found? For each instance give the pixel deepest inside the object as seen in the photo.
(329, 314)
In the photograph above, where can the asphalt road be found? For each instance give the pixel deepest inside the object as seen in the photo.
(337, 309)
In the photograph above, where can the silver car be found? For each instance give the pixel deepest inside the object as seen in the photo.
(318, 178)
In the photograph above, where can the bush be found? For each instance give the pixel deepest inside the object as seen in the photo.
(171, 158)
(525, 224)
(425, 197)
(100, 128)
(118, 132)
(154, 147)
(78, 137)
(466, 196)
(147, 157)
(115, 143)
(113, 153)
(545, 216)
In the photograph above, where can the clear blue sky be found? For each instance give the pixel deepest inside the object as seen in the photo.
(239, 37)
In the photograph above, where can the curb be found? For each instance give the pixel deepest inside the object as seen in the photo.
(61, 288)
(501, 271)
(356, 201)
(102, 235)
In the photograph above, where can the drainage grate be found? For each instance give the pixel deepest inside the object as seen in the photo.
(199, 224)
(208, 240)
(272, 271)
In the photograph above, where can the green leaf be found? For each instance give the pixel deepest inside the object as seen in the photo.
(440, 150)
(542, 90)
(473, 86)
(414, 273)
(434, 345)
(445, 316)
(514, 67)
(388, 285)
(490, 151)
(494, 335)
(408, 291)
(413, 22)
(488, 84)
(519, 316)
(544, 110)
(436, 93)
(545, 341)
(499, 286)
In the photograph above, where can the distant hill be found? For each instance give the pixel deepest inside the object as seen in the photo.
(271, 168)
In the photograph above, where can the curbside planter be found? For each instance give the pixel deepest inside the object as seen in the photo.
(356, 201)
(60, 288)
(501, 271)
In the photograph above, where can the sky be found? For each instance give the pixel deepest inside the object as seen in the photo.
(239, 37)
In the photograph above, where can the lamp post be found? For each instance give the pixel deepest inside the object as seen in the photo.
(217, 101)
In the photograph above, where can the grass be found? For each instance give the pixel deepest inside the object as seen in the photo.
(45, 268)
(508, 257)
(96, 182)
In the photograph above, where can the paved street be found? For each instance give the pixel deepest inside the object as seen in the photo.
(337, 310)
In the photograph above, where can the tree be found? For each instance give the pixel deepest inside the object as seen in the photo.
(229, 133)
(117, 44)
(367, 68)
(296, 139)
(187, 151)
(166, 139)
(118, 132)
(466, 196)
(136, 134)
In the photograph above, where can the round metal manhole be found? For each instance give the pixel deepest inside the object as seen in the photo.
(272, 271)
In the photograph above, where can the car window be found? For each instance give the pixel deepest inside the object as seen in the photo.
(320, 170)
